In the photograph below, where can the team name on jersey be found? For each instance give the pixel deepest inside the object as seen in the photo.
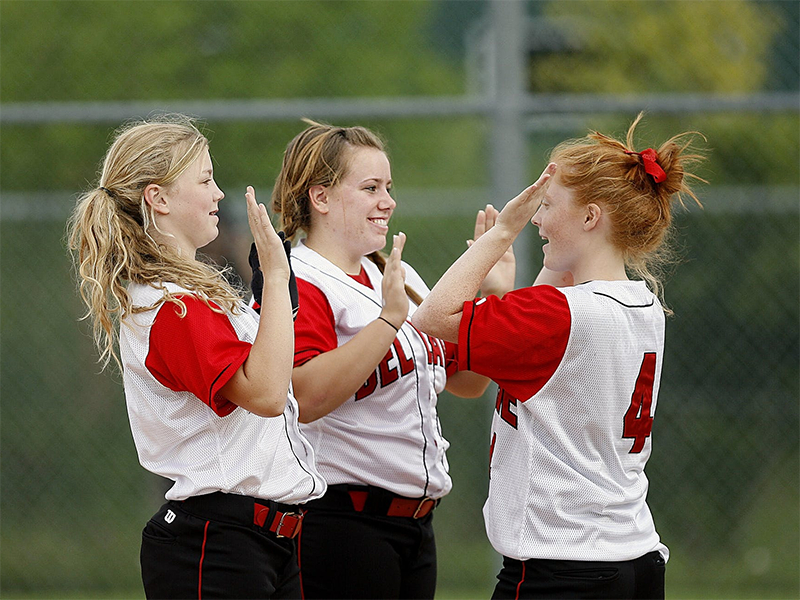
(396, 364)
(503, 406)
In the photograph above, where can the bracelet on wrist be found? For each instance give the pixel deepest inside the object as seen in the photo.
(390, 324)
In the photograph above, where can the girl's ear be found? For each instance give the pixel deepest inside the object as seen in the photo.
(318, 196)
(155, 197)
(591, 216)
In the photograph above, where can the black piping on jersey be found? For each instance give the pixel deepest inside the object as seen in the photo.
(297, 458)
(213, 383)
(421, 416)
(286, 430)
(416, 375)
(469, 337)
(626, 305)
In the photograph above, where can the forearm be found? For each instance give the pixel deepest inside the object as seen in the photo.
(467, 384)
(261, 384)
(440, 312)
(329, 379)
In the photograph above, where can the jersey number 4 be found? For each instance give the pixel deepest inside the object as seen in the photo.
(638, 422)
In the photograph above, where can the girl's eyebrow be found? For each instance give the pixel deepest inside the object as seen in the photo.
(376, 179)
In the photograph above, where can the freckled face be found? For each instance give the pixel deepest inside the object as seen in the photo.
(192, 201)
(361, 204)
(560, 221)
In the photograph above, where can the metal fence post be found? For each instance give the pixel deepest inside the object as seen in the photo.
(509, 154)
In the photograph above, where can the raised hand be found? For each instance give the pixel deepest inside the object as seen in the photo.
(271, 254)
(520, 210)
(501, 278)
(395, 299)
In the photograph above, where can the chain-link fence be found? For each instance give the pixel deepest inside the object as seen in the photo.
(470, 97)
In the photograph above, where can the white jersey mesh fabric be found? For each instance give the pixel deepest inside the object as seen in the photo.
(564, 483)
(179, 437)
(392, 437)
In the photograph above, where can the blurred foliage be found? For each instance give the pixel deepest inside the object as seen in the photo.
(68, 50)
(628, 47)
(143, 49)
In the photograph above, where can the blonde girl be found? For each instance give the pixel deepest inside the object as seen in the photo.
(206, 381)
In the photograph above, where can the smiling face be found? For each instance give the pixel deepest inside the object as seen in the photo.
(560, 220)
(360, 204)
(191, 202)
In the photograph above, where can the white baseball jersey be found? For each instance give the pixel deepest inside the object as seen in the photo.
(578, 371)
(388, 434)
(184, 430)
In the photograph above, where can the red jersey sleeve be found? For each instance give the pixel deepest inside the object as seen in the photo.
(517, 341)
(314, 328)
(197, 353)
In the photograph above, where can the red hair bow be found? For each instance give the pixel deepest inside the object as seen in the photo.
(651, 166)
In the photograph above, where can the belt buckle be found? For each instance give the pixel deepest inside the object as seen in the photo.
(420, 506)
(299, 517)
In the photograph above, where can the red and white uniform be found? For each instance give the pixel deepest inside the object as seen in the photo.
(183, 429)
(388, 434)
(578, 371)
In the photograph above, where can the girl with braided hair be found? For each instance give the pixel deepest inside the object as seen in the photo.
(577, 358)
(206, 380)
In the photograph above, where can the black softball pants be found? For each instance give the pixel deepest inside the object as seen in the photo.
(344, 553)
(210, 547)
(539, 578)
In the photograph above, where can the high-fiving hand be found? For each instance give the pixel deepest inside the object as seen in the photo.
(395, 299)
(520, 210)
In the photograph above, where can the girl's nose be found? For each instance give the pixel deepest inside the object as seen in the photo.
(388, 201)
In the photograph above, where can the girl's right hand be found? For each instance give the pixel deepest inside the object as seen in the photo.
(271, 254)
(520, 210)
(395, 299)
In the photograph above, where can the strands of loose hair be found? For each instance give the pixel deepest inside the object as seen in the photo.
(611, 173)
(109, 231)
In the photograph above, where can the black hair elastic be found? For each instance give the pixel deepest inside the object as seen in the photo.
(108, 191)
(390, 324)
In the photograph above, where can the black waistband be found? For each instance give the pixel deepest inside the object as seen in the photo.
(231, 508)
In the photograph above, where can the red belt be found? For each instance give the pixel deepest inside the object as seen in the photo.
(284, 524)
(411, 507)
(416, 508)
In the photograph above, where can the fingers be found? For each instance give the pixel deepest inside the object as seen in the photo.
(396, 255)
(257, 213)
(491, 216)
(529, 192)
(398, 243)
(549, 171)
(480, 224)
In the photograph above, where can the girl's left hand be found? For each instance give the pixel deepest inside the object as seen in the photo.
(395, 299)
(501, 278)
(271, 254)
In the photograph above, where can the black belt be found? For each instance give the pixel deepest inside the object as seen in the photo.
(373, 500)
(284, 520)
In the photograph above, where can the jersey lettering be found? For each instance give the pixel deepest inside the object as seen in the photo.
(638, 422)
(369, 386)
(393, 366)
(438, 351)
(435, 348)
(406, 364)
(388, 374)
(503, 407)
